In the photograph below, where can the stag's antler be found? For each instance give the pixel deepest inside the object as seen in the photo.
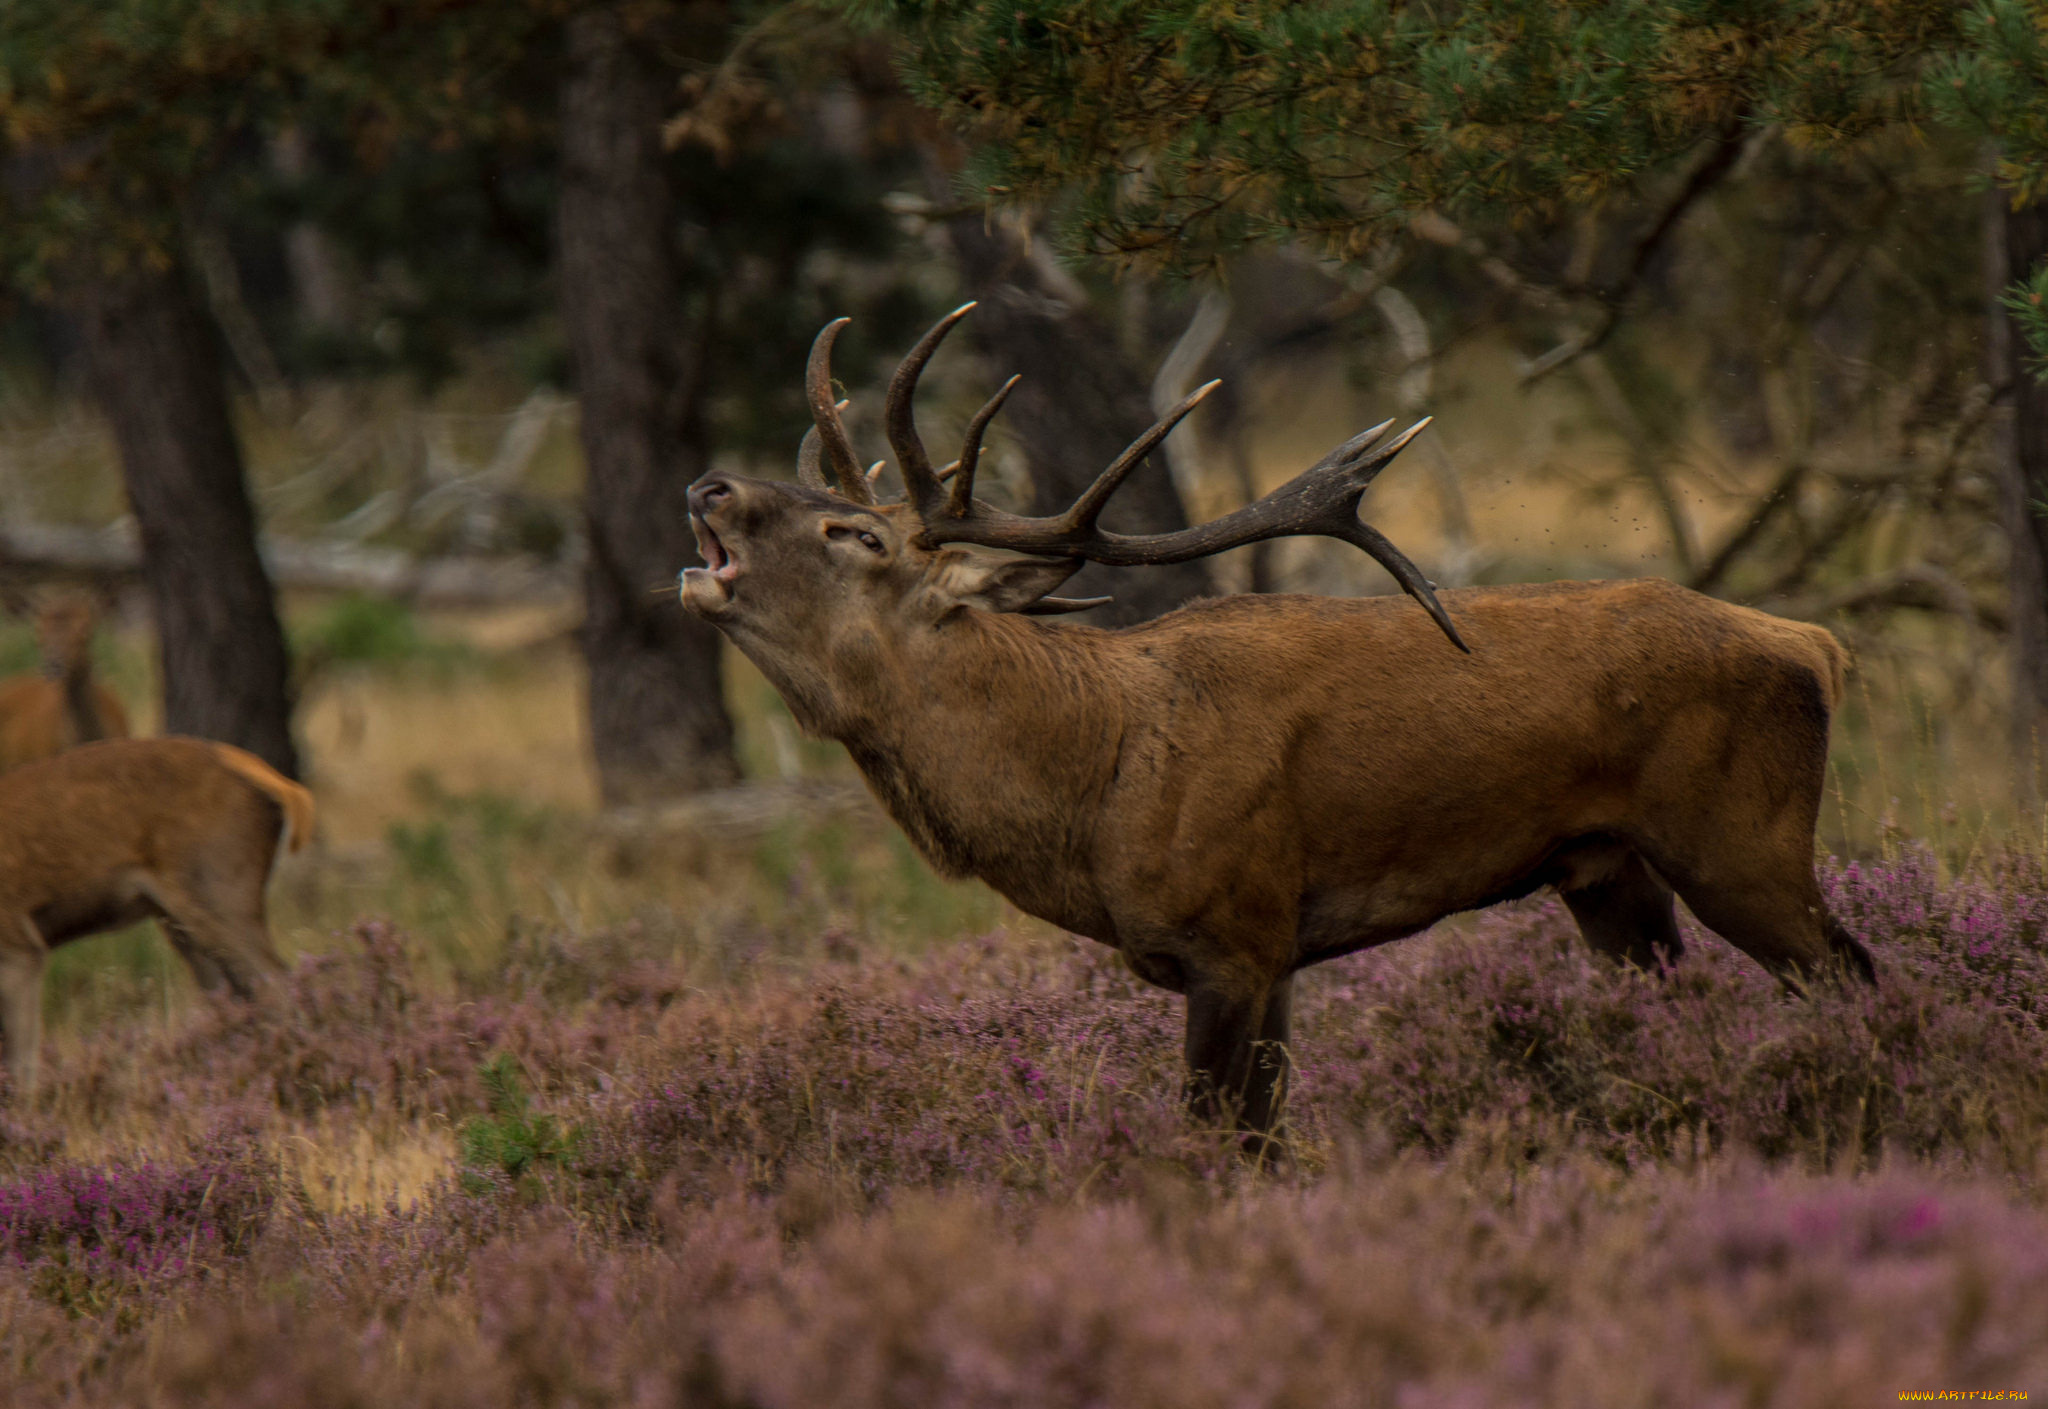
(828, 432)
(1321, 500)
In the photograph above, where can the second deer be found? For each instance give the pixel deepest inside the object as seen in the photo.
(181, 830)
(61, 706)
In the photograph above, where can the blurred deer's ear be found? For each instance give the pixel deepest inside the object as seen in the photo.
(15, 600)
(1000, 584)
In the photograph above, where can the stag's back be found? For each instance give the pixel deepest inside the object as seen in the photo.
(1582, 708)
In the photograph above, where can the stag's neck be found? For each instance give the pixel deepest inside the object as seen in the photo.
(991, 742)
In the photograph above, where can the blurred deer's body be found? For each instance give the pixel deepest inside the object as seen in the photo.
(63, 706)
(181, 830)
(1251, 785)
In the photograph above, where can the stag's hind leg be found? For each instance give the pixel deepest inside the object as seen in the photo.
(1625, 911)
(1765, 900)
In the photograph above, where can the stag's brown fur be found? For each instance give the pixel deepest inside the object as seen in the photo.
(182, 830)
(63, 706)
(1255, 784)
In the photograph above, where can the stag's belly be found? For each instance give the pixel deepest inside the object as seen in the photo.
(1341, 918)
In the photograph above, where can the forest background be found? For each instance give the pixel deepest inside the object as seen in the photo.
(356, 353)
(451, 300)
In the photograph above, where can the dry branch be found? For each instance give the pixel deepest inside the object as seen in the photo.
(112, 556)
(744, 811)
(1921, 586)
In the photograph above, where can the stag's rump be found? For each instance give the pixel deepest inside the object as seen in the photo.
(1391, 780)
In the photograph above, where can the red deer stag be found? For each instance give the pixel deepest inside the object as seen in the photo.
(63, 706)
(184, 830)
(1257, 783)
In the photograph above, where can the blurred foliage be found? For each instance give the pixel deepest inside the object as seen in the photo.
(1172, 133)
(416, 144)
(1996, 84)
(112, 112)
(1182, 128)
(2027, 301)
(361, 630)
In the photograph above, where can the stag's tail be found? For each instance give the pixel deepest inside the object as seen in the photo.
(294, 801)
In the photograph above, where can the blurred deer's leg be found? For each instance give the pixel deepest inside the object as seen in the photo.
(22, 952)
(205, 970)
(1628, 914)
(225, 944)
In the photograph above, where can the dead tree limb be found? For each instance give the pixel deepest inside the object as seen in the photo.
(111, 556)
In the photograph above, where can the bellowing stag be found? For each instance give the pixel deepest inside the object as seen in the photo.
(1254, 784)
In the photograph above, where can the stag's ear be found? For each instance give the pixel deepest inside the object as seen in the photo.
(1000, 584)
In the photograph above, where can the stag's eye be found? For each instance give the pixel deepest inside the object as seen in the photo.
(866, 540)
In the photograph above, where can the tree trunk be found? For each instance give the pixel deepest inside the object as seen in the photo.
(155, 369)
(657, 713)
(2025, 493)
(1079, 405)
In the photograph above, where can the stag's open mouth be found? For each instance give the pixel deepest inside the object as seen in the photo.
(720, 566)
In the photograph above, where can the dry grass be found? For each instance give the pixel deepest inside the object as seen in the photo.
(374, 740)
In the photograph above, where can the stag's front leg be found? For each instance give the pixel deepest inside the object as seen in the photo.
(1237, 1055)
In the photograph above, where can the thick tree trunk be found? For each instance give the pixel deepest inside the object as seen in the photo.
(657, 714)
(1079, 405)
(155, 370)
(2025, 492)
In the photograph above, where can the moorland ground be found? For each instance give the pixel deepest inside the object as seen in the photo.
(758, 1111)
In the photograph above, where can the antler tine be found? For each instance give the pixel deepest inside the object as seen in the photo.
(899, 420)
(1383, 552)
(810, 462)
(1363, 441)
(810, 466)
(1369, 465)
(831, 430)
(962, 496)
(1083, 512)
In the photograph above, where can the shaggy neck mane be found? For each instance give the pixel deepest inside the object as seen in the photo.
(989, 740)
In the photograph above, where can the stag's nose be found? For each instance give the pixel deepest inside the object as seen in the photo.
(707, 494)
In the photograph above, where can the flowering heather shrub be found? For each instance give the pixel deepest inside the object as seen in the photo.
(1519, 1024)
(354, 1031)
(981, 1067)
(1388, 1283)
(1981, 940)
(1520, 1175)
(85, 1236)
